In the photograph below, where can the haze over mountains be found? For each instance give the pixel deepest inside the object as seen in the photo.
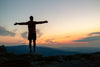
(47, 51)
(81, 49)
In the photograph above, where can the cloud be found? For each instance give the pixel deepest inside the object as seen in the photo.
(87, 39)
(39, 34)
(68, 36)
(50, 41)
(24, 35)
(93, 33)
(4, 32)
(14, 30)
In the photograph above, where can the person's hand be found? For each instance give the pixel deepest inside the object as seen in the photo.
(15, 24)
(46, 21)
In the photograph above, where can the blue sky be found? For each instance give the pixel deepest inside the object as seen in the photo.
(74, 19)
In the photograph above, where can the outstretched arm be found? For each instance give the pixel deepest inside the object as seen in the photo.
(22, 23)
(41, 22)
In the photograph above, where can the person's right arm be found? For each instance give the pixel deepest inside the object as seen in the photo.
(22, 23)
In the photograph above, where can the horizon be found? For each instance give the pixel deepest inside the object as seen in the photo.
(71, 23)
(47, 46)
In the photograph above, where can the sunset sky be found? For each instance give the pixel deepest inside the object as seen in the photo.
(71, 23)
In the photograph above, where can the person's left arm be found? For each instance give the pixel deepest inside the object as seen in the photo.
(41, 22)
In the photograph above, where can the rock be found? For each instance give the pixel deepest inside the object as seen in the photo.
(3, 50)
(15, 63)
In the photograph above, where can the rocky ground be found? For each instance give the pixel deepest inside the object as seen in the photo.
(37, 60)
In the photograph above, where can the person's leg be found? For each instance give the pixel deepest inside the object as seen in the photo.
(30, 46)
(34, 45)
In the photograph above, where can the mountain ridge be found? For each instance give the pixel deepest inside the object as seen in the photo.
(46, 51)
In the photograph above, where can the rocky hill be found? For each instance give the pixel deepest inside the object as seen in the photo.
(37, 60)
(3, 49)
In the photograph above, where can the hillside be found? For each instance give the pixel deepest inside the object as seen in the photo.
(38, 60)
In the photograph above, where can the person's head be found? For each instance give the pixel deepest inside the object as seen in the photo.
(31, 18)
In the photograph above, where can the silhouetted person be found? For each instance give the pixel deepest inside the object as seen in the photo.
(32, 31)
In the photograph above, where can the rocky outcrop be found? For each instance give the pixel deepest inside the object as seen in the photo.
(3, 49)
(38, 60)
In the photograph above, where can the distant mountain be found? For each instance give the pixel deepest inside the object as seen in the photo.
(46, 51)
(81, 49)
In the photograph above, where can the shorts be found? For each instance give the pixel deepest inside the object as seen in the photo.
(32, 36)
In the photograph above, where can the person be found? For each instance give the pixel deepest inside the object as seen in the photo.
(31, 31)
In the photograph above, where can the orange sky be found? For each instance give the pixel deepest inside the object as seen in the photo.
(69, 21)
